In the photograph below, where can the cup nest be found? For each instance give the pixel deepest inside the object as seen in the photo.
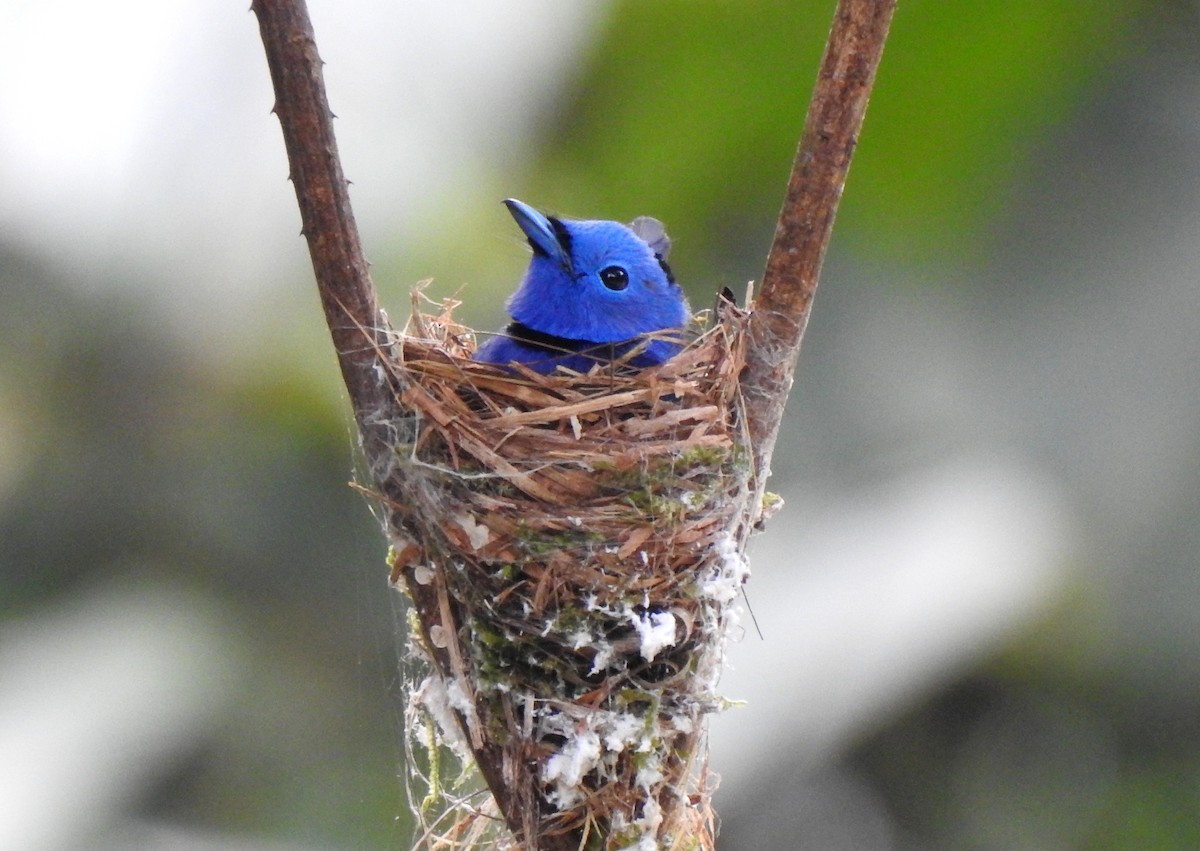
(572, 545)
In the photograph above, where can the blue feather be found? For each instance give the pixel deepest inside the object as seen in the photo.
(592, 290)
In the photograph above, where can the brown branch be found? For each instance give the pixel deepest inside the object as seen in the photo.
(361, 336)
(357, 325)
(781, 310)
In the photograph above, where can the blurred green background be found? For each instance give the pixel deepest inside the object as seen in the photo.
(979, 607)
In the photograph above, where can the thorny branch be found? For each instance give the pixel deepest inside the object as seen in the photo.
(360, 330)
(781, 310)
(356, 323)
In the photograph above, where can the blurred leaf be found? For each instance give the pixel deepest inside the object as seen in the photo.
(1154, 810)
(691, 112)
(965, 93)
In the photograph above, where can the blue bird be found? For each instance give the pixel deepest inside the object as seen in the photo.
(592, 290)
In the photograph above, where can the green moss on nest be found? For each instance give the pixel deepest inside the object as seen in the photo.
(537, 542)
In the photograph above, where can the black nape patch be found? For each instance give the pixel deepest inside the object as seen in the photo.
(561, 234)
(522, 333)
(666, 269)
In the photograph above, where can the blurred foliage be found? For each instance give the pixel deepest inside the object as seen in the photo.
(1154, 808)
(138, 464)
(128, 457)
(691, 111)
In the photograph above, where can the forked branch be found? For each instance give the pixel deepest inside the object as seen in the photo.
(793, 268)
(509, 755)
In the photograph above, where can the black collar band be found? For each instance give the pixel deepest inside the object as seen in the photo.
(522, 333)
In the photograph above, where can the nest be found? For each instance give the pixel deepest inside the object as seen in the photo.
(573, 548)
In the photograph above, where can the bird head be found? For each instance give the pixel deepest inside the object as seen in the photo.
(595, 280)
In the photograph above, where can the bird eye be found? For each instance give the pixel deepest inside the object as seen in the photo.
(614, 277)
